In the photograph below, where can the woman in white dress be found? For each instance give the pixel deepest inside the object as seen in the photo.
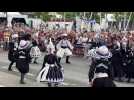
(35, 52)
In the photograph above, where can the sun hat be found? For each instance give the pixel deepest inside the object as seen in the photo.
(15, 36)
(101, 52)
(23, 44)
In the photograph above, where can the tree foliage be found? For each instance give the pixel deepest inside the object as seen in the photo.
(95, 15)
(43, 15)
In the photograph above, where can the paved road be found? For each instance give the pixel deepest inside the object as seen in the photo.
(75, 73)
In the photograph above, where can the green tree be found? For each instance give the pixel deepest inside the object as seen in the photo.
(43, 15)
(70, 15)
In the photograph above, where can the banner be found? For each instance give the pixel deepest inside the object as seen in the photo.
(83, 24)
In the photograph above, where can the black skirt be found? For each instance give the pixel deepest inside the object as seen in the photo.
(22, 65)
(50, 74)
(103, 82)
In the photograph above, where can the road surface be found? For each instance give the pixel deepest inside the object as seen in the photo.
(76, 73)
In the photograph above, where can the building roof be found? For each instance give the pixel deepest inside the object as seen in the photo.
(27, 13)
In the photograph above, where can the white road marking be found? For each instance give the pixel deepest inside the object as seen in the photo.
(66, 84)
(30, 74)
(2, 86)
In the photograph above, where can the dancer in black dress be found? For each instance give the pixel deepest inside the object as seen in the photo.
(100, 56)
(101, 78)
(52, 71)
(23, 59)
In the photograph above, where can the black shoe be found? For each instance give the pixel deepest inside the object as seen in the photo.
(56, 85)
(10, 69)
(35, 62)
(68, 62)
(128, 80)
(49, 85)
(90, 80)
(22, 79)
(22, 82)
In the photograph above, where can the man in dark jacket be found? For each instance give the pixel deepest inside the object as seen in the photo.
(23, 59)
(93, 68)
(117, 62)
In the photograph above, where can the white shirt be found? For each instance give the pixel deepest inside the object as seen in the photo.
(64, 43)
(84, 39)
